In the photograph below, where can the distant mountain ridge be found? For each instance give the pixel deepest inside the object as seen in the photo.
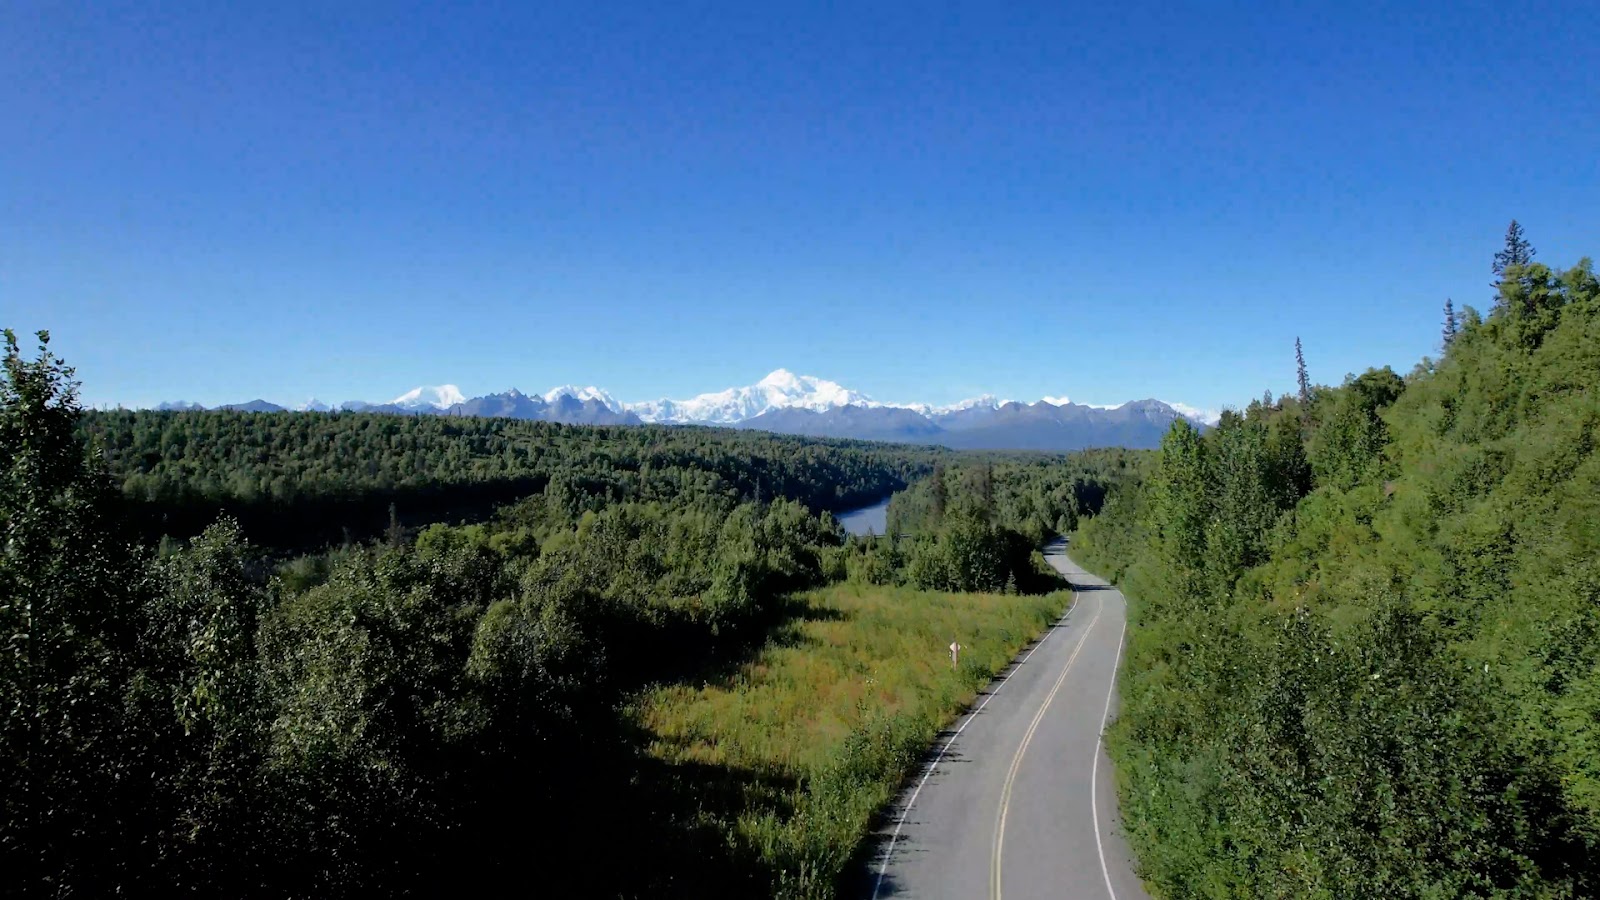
(787, 403)
(561, 405)
(1005, 426)
(867, 423)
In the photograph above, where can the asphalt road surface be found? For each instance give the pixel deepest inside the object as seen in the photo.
(1018, 799)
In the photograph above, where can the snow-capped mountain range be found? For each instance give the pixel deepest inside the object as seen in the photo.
(805, 404)
(584, 395)
(780, 390)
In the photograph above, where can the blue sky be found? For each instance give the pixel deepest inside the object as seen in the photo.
(921, 201)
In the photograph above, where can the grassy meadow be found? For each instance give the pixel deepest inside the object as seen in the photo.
(786, 759)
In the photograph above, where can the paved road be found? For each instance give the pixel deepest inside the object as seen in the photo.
(1019, 801)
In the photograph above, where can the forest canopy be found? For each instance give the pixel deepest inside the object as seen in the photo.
(1366, 660)
(305, 479)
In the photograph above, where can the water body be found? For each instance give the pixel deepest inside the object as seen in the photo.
(867, 520)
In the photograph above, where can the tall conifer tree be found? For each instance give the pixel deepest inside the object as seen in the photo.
(1304, 379)
(1516, 254)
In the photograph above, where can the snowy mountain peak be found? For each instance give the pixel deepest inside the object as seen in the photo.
(808, 391)
(783, 380)
(312, 405)
(583, 395)
(988, 401)
(781, 389)
(441, 396)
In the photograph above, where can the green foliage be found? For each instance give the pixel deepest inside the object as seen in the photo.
(875, 561)
(974, 527)
(966, 555)
(1350, 433)
(1386, 684)
(305, 480)
(1243, 505)
(68, 753)
(1036, 495)
(1180, 503)
(215, 718)
(1517, 252)
(1302, 377)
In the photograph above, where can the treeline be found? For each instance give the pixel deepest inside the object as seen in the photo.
(306, 480)
(1034, 494)
(978, 525)
(1366, 660)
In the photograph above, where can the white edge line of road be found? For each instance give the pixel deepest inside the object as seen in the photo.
(906, 810)
(1094, 775)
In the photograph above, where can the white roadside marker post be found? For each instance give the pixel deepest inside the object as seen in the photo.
(955, 653)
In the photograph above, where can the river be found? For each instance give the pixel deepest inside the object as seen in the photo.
(867, 520)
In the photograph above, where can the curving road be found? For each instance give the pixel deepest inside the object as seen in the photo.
(1018, 799)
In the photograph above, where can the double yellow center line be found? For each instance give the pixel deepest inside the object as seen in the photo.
(1022, 749)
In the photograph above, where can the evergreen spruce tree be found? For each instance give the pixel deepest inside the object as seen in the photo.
(1517, 252)
(1304, 379)
(1516, 255)
(1451, 323)
(394, 534)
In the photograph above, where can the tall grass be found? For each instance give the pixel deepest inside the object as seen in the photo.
(829, 718)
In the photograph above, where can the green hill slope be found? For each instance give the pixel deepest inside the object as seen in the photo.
(1367, 660)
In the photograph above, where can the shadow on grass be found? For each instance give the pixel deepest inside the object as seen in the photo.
(679, 832)
(673, 824)
(700, 657)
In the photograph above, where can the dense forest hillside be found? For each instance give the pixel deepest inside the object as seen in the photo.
(308, 479)
(1366, 659)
